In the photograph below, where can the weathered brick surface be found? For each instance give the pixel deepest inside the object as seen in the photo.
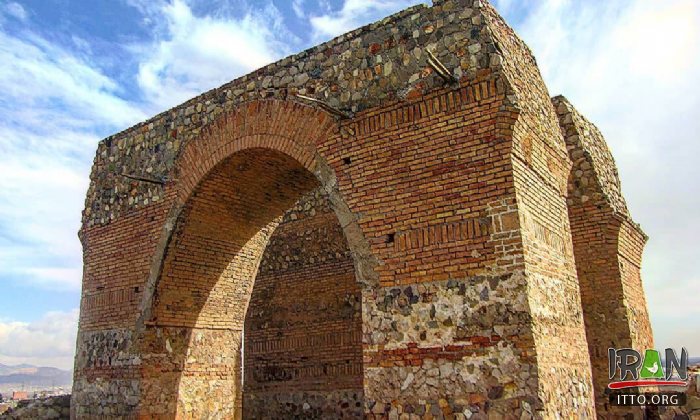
(540, 167)
(442, 261)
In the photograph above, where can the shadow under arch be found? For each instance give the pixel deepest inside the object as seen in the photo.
(235, 183)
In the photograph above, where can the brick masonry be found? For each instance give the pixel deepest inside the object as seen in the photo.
(303, 328)
(441, 252)
(607, 245)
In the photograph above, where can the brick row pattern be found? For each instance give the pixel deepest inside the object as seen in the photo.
(441, 234)
(303, 328)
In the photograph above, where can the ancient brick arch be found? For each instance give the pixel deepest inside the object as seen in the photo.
(287, 127)
(422, 210)
(234, 183)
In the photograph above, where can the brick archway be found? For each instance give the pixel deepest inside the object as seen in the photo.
(287, 127)
(234, 184)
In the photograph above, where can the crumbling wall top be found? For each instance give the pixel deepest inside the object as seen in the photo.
(595, 175)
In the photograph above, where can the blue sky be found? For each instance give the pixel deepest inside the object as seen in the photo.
(74, 71)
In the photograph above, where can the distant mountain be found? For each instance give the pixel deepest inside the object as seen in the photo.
(7, 369)
(30, 375)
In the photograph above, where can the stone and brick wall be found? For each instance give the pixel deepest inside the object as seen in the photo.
(607, 246)
(49, 408)
(540, 168)
(303, 328)
(425, 256)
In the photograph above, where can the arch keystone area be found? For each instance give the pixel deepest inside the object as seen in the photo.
(428, 255)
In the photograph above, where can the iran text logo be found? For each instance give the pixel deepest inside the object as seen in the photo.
(636, 371)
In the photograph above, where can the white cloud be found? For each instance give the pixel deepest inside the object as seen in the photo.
(632, 68)
(49, 341)
(196, 53)
(41, 199)
(53, 103)
(325, 6)
(354, 14)
(298, 8)
(16, 10)
(38, 75)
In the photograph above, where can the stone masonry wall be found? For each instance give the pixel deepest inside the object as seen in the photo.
(49, 408)
(540, 173)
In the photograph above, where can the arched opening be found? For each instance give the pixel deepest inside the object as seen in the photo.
(302, 331)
